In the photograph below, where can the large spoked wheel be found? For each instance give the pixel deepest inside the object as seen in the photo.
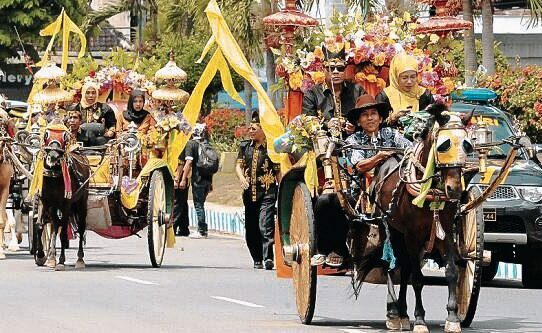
(156, 218)
(471, 245)
(302, 235)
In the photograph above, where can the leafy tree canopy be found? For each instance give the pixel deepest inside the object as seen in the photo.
(30, 16)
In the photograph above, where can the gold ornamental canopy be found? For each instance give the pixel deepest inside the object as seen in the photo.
(49, 72)
(172, 74)
(52, 94)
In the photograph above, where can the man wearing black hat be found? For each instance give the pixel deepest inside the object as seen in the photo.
(258, 177)
(332, 225)
(336, 96)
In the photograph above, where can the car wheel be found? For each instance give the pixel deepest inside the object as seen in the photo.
(532, 272)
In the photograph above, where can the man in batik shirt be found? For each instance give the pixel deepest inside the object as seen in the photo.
(258, 176)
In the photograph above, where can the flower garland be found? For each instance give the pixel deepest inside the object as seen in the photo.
(370, 47)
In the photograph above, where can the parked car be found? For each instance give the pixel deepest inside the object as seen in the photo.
(513, 213)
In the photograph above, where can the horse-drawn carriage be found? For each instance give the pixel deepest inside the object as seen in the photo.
(116, 189)
(423, 214)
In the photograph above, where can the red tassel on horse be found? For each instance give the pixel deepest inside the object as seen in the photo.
(67, 180)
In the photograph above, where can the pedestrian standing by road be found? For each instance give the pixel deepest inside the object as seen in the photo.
(258, 177)
(202, 163)
(180, 208)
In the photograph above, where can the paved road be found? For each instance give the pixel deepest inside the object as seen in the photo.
(209, 285)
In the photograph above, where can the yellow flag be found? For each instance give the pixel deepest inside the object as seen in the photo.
(68, 27)
(63, 22)
(229, 50)
(51, 30)
(269, 118)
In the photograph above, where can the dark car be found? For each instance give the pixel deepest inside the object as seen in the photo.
(513, 213)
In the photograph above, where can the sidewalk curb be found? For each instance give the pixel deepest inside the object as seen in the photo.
(231, 220)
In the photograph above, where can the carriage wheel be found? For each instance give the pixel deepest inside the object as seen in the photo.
(302, 235)
(156, 218)
(31, 230)
(471, 245)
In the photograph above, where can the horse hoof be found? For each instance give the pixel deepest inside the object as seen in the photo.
(60, 267)
(420, 329)
(80, 264)
(393, 324)
(19, 238)
(405, 324)
(451, 327)
(51, 263)
(2, 255)
(13, 246)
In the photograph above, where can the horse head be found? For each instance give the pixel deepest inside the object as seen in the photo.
(451, 147)
(56, 140)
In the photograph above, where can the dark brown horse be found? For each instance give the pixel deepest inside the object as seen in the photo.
(416, 232)
(64, 194)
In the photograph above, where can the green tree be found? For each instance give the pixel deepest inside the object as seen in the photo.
(186, 51)
(488, 38)
(29, 17)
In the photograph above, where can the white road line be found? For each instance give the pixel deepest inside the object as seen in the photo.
(127, 278)
(236, 301)
(351, 330)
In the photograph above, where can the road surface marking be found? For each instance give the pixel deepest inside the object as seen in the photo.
(127, 278)
(352, 330)
(236, 301)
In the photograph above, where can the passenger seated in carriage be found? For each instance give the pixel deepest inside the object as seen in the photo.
(331, 222)
(95, 112)
(136, 113)
(404, 95)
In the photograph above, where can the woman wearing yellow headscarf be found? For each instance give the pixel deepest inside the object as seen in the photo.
(94, 111)
(404, 95)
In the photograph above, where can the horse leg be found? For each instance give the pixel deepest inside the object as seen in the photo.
(13, 243)
(419, 313)
(393, 320)
(63, 233)
(51, 254)
(453, 323)
(80, 264)
(402, 302)
(3, 216)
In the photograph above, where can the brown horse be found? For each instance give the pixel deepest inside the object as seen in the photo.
(6, 171)
(413, 229)
(63, 196)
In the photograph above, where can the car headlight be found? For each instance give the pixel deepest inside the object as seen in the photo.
(531, 193)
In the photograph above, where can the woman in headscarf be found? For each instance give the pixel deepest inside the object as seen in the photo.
(94, 111)
(136, 113)
(404, 95)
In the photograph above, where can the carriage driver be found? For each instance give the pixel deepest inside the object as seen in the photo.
(368, 116)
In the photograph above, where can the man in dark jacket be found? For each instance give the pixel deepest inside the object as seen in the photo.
(258, 177)
(336, 96)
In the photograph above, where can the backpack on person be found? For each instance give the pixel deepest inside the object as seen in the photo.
(208, 160)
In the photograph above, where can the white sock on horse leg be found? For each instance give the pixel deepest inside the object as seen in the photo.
(13, 243)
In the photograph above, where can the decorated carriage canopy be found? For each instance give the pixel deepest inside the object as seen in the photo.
(368, 46)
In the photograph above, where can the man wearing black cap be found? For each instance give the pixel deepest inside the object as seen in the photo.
(332, 225)
(258, 177)
(336, 96)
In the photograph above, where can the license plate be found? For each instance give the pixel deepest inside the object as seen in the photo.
(490, 215)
